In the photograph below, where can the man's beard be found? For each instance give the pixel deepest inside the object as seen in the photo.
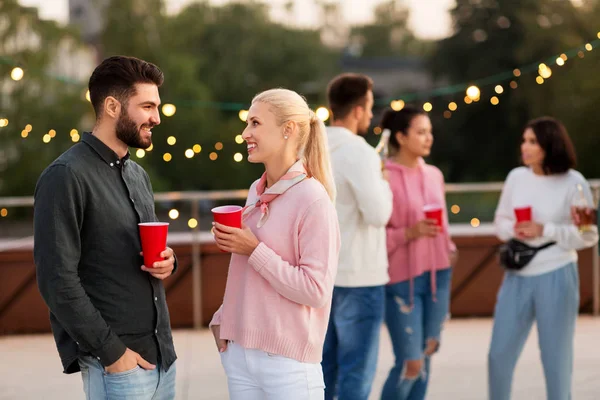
(128, 133)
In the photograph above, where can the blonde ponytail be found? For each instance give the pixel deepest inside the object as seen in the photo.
(316, 155)
(288, 105)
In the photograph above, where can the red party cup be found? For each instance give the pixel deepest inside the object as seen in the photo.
(433, 211)
(228, 215)
(154, 241)
(523, 214)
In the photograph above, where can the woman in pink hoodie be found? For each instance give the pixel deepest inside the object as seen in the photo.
(271, 327)
(419, 253)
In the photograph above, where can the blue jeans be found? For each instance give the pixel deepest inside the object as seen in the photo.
(137, 384)
(352, 342)
(410, 329)
(552, 301)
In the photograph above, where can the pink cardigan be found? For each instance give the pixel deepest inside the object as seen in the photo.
(412, 189)
(278, 299)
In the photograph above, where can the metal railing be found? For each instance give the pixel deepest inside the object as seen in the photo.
(195, 197)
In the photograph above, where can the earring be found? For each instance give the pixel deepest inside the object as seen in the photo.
(285, 136)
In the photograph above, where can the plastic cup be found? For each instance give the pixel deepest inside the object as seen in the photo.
(523, 214)
(228, 215)
(434, 211)
(154, 241)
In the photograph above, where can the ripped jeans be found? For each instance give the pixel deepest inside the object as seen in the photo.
(411, 329)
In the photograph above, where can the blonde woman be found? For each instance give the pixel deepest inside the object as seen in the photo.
(271, 327)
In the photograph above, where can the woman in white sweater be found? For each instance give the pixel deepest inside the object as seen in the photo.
(545, 290)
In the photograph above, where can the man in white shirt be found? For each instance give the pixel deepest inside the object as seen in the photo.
(364, 206)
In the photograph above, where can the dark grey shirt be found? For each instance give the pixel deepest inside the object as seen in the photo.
(88, 203)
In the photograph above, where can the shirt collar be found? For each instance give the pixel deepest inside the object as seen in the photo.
(105, 152)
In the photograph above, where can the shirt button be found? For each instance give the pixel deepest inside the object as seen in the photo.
(112, 165)
(156, 331)
(98, 358)
(156, 299)
(118, 162)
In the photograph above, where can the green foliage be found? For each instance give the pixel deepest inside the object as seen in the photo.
(481, 142)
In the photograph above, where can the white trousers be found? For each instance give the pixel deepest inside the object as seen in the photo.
(256, 375)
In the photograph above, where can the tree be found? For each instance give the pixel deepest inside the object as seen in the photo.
(38, 99)
(480, 141)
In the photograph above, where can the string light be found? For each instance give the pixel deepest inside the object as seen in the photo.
(455, 209)
(447, 114)
(452, 106)
(322, 113)
(192, 223)
(73, 132)
(189, 153)
(168, 110)
(197, 148)
(517, 72)
(588, 46)
(171, 140)
(173, 214)
(539, 80)
(239, 139)
(17, 74)
(75, 138)
(167, 157)
(468, 100)
(544, 71)
(4, 212)
(427, 107)
(3, 122)
(580, 54)
(243, 115)
(514, 84)
(47, 138)
(24, 133)
(499, 89)
(52, 133)
(377, 130)
(560, 62)
(151, 147)
(87, 96)
(28, 127)
(213, 156)
(238, 157)
(140, 153)
(564, 57)
(475, 222)
(494, 100)
(397, 105)
(473, 92)
(219, 146)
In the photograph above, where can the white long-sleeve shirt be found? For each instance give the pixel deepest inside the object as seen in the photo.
(550, 198)
(364, 207)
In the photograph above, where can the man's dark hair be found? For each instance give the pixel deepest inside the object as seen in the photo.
(117, 76)
(347, 91)
(553, 138)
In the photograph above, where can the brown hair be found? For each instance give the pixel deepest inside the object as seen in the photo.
(553, 138)
(347, 91)
(117, 76)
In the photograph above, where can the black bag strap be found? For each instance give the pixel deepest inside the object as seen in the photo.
(544, 246)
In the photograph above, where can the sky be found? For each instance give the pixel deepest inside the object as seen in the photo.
(429, 18)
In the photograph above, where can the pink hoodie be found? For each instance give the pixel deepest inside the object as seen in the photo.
(413, 188)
